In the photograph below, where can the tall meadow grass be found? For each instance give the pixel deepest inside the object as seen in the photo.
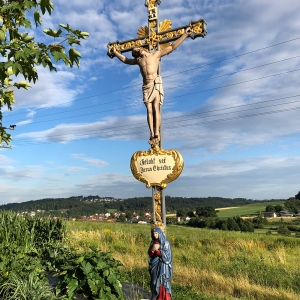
(213, 263)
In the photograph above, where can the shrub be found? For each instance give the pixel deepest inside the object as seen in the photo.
(283, 230)
(93, 274)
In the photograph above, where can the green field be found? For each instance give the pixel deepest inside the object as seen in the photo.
(246, 210)
(208, 264)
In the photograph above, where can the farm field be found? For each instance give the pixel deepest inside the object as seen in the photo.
(246, 210)
(208, 264)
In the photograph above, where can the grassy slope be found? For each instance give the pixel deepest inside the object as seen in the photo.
(250, 209)
(208, 264)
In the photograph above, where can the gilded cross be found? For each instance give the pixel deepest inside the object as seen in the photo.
(157, 36)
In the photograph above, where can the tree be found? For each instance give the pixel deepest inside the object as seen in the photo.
(206, 211)
(293, 205)
(129, 215)
(181, 212)
(270, 208)
(283, 230)
(232, 225)
(298, 196)
(21, 54)
(191, 214)
(122, 219)
(278, 208)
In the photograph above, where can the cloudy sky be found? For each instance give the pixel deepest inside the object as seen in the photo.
(232, 103)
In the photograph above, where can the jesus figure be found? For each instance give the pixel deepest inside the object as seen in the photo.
(153, 94)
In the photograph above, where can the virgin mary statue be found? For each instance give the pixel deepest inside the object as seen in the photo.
(160, 266)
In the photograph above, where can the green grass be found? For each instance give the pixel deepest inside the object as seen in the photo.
(217, 264)
(247, 210)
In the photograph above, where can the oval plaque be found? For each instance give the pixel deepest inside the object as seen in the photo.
(156, 167)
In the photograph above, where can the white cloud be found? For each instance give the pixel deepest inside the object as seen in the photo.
(51, 89)
(92, 161)
(19, 174)
(5, 160)
(21, 123)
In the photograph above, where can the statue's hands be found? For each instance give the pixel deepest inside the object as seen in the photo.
(155, 247)
(112, 51)
(189, 31)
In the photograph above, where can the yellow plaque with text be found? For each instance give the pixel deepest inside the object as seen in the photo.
(156, 167)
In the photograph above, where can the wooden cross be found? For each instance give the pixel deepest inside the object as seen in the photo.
(156, 36)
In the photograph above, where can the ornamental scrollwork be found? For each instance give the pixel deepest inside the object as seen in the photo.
(162, 35)
(156, 150)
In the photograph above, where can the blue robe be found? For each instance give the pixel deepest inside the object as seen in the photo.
(160, 268)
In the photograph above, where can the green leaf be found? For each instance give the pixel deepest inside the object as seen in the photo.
(22, 84)
(79, 260)
(37, 18)
(65, 26)
(3, 33)
(72, 286)
(74, 54)
(28, 38)
(46, 5)
(84, 33)
(92, 286)
(52, 32)
(72, 40)
(9, 72)
(86, 267)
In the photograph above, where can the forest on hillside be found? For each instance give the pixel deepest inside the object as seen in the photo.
(77, 206)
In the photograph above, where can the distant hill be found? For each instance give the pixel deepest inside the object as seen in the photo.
(76, 206)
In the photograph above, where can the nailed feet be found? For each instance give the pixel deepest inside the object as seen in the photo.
(154, 140)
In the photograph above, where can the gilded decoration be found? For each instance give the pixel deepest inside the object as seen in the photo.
(165, 25)
(158, 213)
(158, 225)
(142, 31)
(156, 151)
(151, 3)
(161, 36)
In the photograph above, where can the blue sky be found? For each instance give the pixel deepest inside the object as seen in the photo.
(231, 106)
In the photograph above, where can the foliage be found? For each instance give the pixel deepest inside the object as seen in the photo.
(232, 224)
(94, 274)
(85, 206)
(122, 219)
(292, 205)
(283, 230)
(21, 242)
(270, 208)
(22, 54)
(181, 212)
(31, 246)
(298, 196)
(274, 208)
(129, 215)
(293, 228)
(259, 222)
(206, 211)
(29, 287)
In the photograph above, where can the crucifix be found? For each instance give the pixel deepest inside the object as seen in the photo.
(152, 43)
(156, 167)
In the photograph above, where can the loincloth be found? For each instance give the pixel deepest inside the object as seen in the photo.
(150, 88)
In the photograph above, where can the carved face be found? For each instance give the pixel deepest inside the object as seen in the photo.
(139, 52)
(154, 235)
